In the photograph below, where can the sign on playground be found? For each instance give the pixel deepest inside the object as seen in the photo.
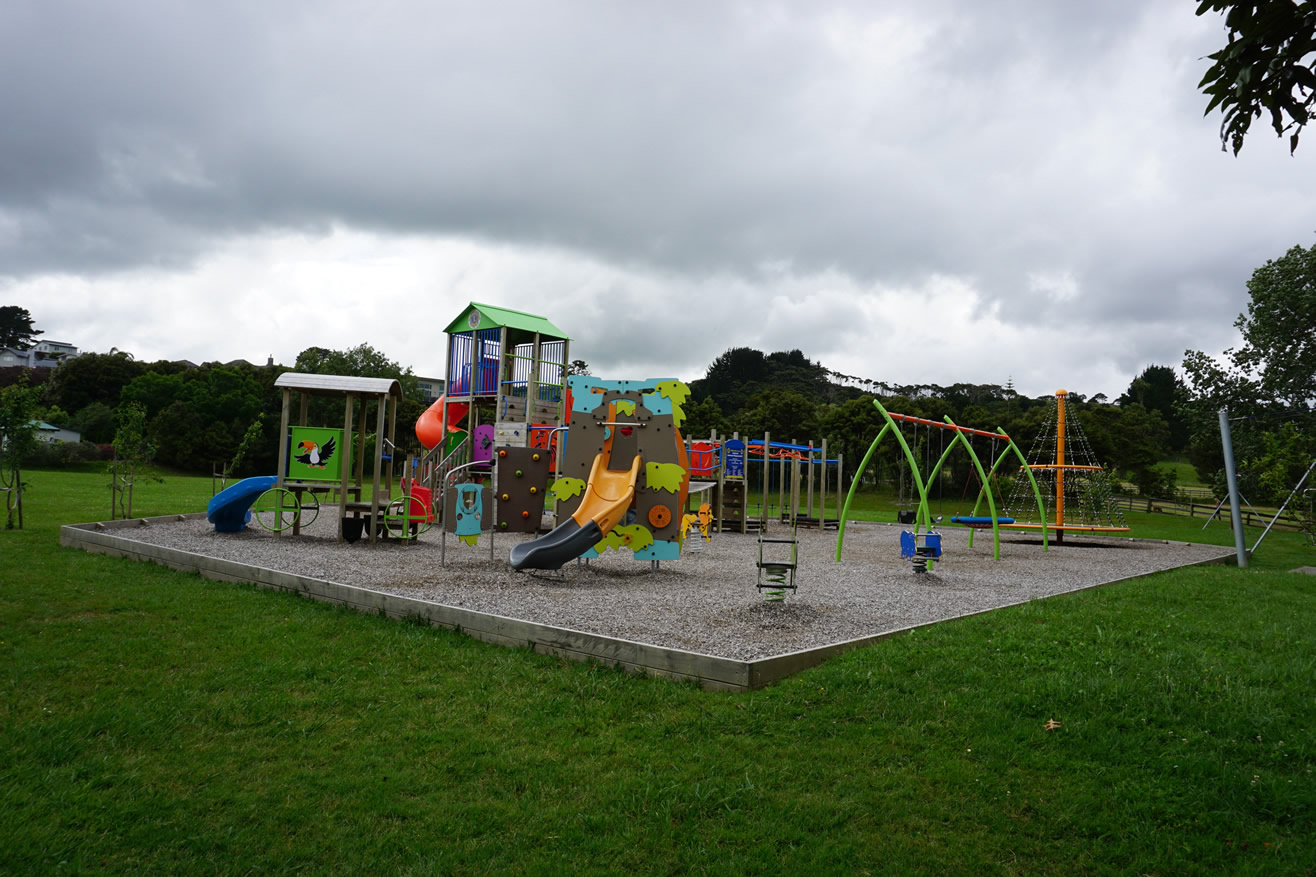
(317, 454)
(733, 459)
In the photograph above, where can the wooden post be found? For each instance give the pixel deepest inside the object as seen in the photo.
(840, 486)
(393, 440)
(562, 376)
(795, 486)
(822, 489)
(808, 505)
(719, 453)
(781, 485)
(281, 475)
(532, 387)
(346, 471)
(379, 462)
(504, 362)
(283, 433)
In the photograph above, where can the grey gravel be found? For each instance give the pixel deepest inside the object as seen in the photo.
(707, 601)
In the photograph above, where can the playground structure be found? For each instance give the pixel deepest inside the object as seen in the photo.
(1062, 460)
(317, 459)
(785, 476)
(625, 475)
(505, 383)
(922, 519)
(623, 482)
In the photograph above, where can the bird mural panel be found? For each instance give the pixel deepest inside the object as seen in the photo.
(315, 454)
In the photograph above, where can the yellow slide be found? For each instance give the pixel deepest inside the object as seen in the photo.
(608, 494)
(607, 497)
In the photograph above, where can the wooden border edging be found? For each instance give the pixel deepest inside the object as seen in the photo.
(709, 671)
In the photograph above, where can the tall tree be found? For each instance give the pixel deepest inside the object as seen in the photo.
(1276, 365)
(1158, 388)
(16, 328)
(18, 405)
(1279, 343)
(703, 418)
(784, 413)
(363, 361)
(1269, 380)
(93, 377)
(1268, 65)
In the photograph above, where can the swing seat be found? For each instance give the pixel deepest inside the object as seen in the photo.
(979, 522)
(906, 517)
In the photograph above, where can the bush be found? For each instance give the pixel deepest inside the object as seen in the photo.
(56, 455)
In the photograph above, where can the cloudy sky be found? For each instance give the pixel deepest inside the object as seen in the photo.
(913, 191)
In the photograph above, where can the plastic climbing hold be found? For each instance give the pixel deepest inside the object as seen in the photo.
(525, 515)
(505, 497)
(660, 516)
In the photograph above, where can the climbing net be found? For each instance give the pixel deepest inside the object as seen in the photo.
(1076, 489)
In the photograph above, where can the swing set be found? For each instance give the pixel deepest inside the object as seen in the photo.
(922, 518)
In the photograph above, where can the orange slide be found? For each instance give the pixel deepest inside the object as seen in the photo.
(607, 498)
(608, 494)
(430, 426)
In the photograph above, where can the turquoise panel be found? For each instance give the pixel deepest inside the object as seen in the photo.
(660, 551)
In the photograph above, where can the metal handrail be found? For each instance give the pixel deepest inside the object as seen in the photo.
(448, 478)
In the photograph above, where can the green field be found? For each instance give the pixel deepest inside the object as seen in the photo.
(1185, 474)
(156, 722)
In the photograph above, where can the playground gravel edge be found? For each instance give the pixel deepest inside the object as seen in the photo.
(707, 602)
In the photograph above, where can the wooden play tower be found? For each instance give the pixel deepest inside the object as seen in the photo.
(1072, 482)
(506, 386)
(509, 369)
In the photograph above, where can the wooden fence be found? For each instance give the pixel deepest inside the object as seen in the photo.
(1287, 521)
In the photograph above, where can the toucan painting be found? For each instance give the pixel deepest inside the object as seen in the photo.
(313, 454)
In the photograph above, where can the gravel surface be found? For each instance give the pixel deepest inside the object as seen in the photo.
(707, 601)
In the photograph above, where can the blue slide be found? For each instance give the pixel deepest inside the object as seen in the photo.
(230, 509)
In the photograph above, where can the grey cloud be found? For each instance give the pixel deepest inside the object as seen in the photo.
(884, 142)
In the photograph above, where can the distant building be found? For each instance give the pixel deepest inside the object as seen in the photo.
(431, 387)
(44, 354)
(50, 434)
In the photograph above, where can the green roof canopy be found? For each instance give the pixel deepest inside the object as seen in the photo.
(490, 317)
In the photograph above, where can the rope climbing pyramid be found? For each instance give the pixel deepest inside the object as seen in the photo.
(1074, 486)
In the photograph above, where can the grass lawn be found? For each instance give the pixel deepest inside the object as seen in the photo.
(152, 721)
(1185, 474)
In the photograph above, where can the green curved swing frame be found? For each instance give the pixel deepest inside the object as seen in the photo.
(923, 517)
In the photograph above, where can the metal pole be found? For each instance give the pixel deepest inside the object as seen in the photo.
(1231, 477)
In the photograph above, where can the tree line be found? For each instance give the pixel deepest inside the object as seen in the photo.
(195, 416)
(793, 399)
(199, 416)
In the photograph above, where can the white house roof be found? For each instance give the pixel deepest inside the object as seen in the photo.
(338, 385)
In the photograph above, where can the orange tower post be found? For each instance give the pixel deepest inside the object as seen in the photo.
(1060, 463)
